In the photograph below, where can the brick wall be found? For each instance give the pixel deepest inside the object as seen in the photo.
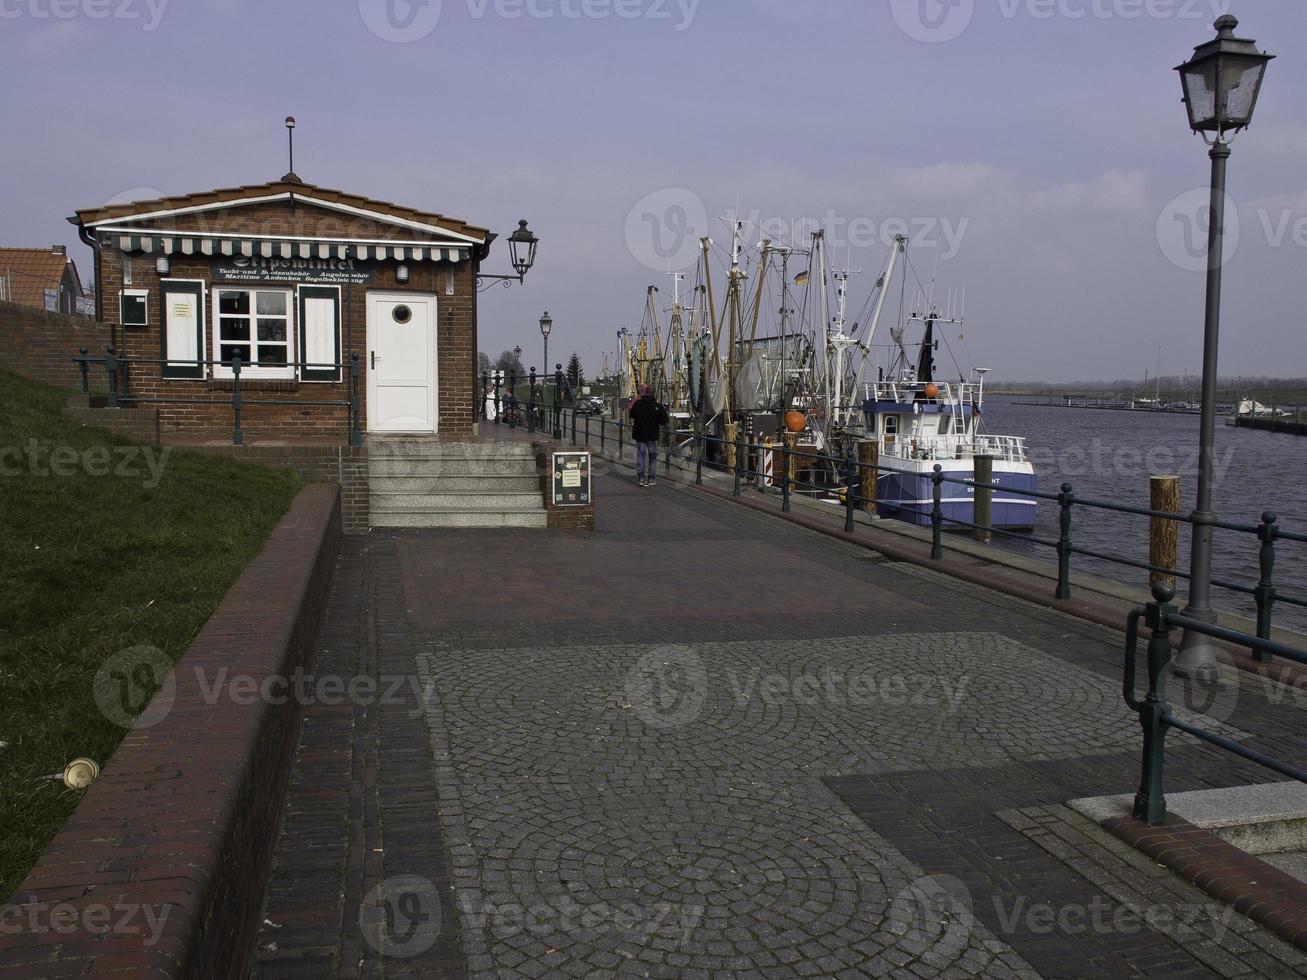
(560, 518)
(185, 817)
(41, 346)
(455, 332)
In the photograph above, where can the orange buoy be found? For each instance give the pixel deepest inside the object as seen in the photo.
(795, 421)
(932, 390)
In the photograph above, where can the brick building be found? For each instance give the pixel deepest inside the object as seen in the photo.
(42, 278)
(285, 282)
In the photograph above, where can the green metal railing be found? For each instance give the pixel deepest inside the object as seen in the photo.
(1155, 714)
(115, 366)
(704, 451)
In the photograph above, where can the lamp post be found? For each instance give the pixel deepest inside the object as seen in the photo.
(1221, 85)
(546, 325)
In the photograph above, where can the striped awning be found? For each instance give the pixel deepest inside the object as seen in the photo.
(271, 248)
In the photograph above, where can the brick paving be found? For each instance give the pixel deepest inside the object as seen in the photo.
(699, 742)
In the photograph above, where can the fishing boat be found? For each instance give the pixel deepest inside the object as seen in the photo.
(804, 372)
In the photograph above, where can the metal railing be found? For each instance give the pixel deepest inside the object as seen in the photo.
(716, 453)
(1155, 714)
(116, 364)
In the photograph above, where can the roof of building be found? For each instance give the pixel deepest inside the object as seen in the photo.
(284, 187)
(30, 271)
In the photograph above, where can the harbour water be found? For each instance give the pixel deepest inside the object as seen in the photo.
(1110, 456)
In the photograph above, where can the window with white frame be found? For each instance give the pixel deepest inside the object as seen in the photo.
(254, 324)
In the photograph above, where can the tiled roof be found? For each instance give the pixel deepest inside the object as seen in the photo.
(30, 271)
(120, 212)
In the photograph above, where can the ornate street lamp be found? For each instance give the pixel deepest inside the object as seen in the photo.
(521, 253)
(522, 249)
(1221, 85)
(546, 325)
(1222, 82)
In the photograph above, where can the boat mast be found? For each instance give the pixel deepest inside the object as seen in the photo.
(823, 345)
(734, 319)
(785, 316)
(713, 320)
(676, 331)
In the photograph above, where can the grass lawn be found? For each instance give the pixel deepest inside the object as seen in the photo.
(92, 564)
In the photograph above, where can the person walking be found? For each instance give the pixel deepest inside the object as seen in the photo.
(647, 417)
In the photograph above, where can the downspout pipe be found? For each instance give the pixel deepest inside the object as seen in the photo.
(94, 244)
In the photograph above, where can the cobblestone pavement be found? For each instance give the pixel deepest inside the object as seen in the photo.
(699, 742)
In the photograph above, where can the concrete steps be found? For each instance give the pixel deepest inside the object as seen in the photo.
(419, 483)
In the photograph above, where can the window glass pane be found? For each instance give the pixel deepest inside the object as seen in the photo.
(272, 356)
(231, 350)
(272, 329)
(234, 329)
(233, 301)
(272, 303)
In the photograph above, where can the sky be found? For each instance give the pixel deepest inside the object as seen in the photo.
(1036, 152)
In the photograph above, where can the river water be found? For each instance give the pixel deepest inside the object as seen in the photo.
(1109, 455)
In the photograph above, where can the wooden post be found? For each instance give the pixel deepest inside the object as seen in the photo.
(731, 429)
(1165, 496)
(869, 457)
(982, 509)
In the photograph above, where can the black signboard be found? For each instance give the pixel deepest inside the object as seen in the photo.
(571, 474)
(257, 269)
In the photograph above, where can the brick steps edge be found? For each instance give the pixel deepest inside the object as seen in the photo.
(1248, 884)
(184, 819)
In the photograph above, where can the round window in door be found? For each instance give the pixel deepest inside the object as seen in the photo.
(402, 314)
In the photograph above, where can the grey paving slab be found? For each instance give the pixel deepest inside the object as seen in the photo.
(702, 743)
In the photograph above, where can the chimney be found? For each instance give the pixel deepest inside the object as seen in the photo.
(58, 249)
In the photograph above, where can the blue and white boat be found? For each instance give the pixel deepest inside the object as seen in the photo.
(919, 425)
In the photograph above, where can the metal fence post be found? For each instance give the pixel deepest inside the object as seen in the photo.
(1150, 801)
(558, 404)
(355, 406)
(785, 476)
(1264, 593)
(700, 447)
(573, 421)
(237, 436)
(739, 457)
(111, 363)
(621, 430)
(499, 379)
(587, 432)
(512, 399)
(603, 435)
(983, 508)
(531, 407)
(937, 513)
(1065, 500)
(86, 386)
(854, 490)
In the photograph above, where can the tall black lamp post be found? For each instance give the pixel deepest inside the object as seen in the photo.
(546, 325)
(1221, 85)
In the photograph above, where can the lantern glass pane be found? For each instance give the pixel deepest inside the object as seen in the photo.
(1240, 78)
(1200, 89)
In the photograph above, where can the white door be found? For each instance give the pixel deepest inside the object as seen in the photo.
(401, 363)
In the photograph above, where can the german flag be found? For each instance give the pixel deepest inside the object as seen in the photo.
(801, 279)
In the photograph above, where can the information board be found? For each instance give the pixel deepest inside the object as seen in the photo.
(571, 477)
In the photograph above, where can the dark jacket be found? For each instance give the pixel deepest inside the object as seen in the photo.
(646, 416)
